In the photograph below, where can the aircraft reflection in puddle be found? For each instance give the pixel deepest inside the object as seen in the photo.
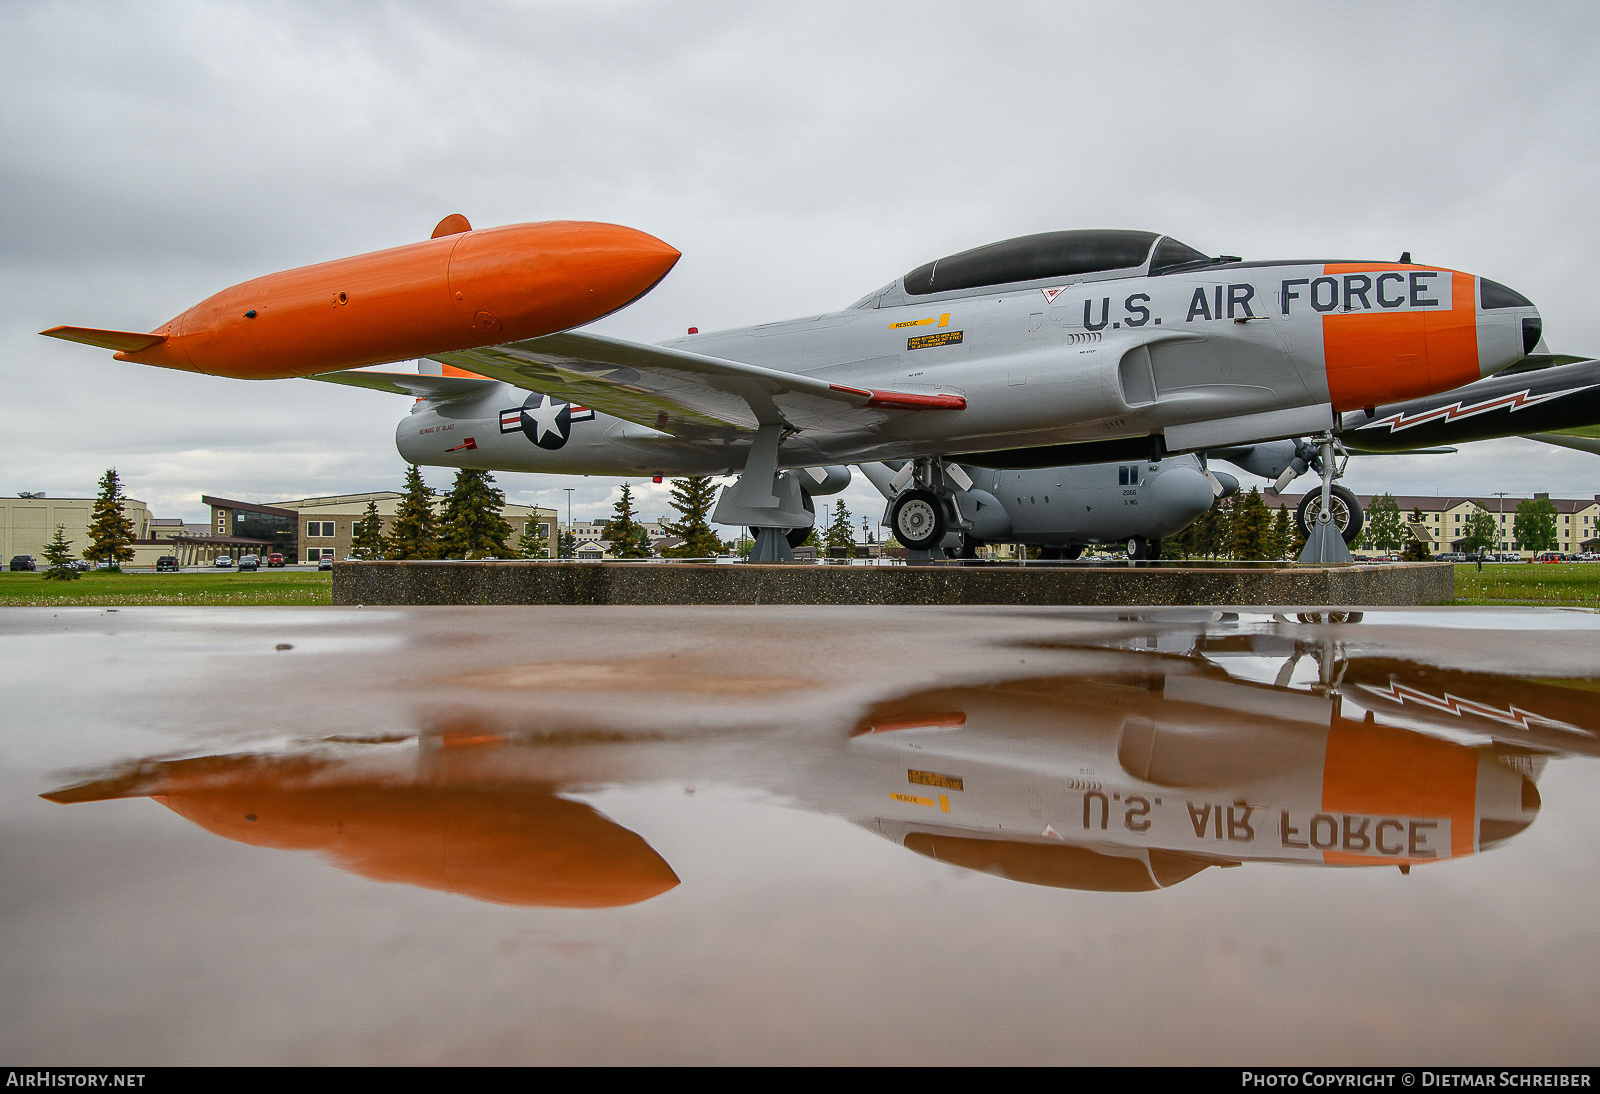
(518, 844)
(1157, 756)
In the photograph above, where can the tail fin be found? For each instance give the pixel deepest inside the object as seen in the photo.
(122, 340)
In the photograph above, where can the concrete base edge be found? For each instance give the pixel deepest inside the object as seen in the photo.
(1402, 584)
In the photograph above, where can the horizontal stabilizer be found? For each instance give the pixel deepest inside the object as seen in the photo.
(437, 388)
(121, 340)
(1576, 443)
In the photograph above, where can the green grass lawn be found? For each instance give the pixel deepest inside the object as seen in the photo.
(99, 588)
(1551, 584)
(1564, 584)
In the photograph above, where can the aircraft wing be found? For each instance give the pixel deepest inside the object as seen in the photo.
(438, 388)
(685, 394)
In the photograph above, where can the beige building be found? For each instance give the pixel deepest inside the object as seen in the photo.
(1444, 519)
(325, 527)
(28, 524)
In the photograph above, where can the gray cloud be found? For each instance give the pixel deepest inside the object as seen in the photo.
(799, 156)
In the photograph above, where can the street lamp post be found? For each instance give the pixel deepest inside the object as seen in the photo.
(1501, 494)
(559, 546)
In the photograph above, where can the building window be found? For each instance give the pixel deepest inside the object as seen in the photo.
(319, 529)
(317, 554)
(544, 531)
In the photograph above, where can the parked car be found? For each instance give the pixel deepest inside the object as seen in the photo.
(167, 564)
(23, 562)
(249, 562)
(324, 563)
(224, 562)
(352, 558)
(274, 559)
(1551, 556)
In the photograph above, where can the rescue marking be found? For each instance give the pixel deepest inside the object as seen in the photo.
(1051, 294)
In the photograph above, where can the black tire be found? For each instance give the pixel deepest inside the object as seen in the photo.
(917, 520)
(798, 536)
(969, 548)
(1348, 515)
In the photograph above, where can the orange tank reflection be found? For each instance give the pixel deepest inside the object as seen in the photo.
(520, 845)
(459, 290)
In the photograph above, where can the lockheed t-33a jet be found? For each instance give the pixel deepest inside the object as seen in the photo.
(1066, 347)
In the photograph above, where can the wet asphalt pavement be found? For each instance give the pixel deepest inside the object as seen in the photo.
(770, 835)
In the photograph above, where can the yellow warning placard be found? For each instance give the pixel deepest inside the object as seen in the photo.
(933, 778)
(929, 341)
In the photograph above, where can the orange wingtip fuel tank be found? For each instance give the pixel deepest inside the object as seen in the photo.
(460, 289)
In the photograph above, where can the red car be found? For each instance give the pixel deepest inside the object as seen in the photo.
(274, 559)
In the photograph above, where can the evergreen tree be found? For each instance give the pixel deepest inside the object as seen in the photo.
(840, 534)
(628, 539)
(1282, 535)
(1480, 531)
(58, 553)
(1212, 534)
(1534, 526)
(692, 498)
(531, 544)
(368, 539)
(1416, 550)
(1386, 529)
(471, 525)
(110, 530)
(415, 532)
(1250, 527)
(566, 544)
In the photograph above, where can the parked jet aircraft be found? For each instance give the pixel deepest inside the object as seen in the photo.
(1063, 509)
(1064, 347)
(1163, 753)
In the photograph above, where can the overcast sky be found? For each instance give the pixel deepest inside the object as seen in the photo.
(799, 155)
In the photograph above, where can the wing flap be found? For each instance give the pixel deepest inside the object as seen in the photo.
(681, 393)
(437, 388)
(124, 341)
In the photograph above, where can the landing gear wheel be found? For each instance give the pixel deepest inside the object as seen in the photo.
(1136, 547)
(917, 520)
(798, 536)
(1346, 510)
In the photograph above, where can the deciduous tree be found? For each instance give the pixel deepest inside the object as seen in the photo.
(1386, 528)
(1479, 531)
(110, 530)
(1535, 524)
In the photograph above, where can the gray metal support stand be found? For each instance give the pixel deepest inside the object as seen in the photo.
(772, 545)
(1325, 545)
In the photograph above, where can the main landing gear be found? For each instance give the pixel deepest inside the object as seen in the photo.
(922, 516)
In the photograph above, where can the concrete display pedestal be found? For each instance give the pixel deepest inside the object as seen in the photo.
(705, 583)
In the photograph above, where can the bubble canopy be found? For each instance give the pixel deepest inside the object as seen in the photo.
(1053, 255)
